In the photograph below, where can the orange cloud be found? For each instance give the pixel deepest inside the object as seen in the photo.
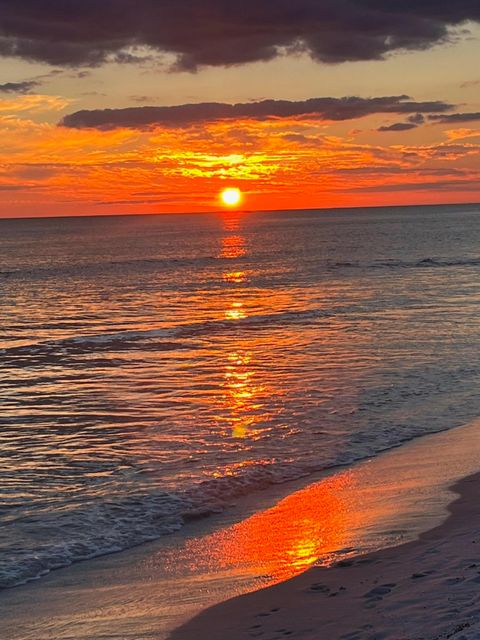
(283, 163)
(33, 103)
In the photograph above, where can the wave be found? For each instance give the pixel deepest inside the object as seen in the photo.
(93, 530)
(179, 336)
(100, 528)
(167, 338)
(85, 269)
(391, 263)
(163, 264)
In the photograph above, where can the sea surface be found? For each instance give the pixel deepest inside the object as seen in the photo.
(155, 368)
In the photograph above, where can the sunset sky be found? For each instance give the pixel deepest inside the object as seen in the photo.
(149, 107)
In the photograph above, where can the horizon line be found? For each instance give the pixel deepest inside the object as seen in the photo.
(240, 211)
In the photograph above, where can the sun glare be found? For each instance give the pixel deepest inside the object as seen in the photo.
(231, 197)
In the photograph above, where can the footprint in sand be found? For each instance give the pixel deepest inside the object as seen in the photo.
(379, 592)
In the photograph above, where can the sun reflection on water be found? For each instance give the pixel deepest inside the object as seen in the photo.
(233, 247)
(235, 276)
(240, 405)
(241, 395)
(235, 312)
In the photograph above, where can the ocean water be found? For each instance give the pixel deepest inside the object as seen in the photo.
(154, 368)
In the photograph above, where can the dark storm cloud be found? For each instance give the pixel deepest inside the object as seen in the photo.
(456, 118)
(225, 32)
(19, 87)
(186, 114)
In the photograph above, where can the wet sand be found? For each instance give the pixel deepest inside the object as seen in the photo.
(425, 589)
(269, 538)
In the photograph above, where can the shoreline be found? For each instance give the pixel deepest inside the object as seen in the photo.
(146, 592)
(427, 588)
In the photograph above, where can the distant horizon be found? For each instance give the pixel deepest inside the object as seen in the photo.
(239, 211)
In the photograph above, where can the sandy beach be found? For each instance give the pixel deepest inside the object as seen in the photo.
(424, 590)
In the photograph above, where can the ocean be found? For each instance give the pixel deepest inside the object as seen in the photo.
(155, 368)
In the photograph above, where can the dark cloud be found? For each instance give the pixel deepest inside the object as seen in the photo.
(224, 32)
(19, 87)
(398, 126)
(413, 121)
(186, 114)
(416, 118)
(455, 118)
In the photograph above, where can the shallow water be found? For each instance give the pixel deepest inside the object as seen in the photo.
(159, 366)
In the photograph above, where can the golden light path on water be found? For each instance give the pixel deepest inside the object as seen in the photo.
(240, 390)
(243, 388)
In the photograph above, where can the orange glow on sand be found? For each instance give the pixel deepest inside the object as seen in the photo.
(282, 541)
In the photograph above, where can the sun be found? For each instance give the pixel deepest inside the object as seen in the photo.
(231, 197)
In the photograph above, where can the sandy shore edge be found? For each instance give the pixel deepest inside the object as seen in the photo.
(425, 589)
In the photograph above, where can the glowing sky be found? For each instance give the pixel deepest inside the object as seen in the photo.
(122, 107)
